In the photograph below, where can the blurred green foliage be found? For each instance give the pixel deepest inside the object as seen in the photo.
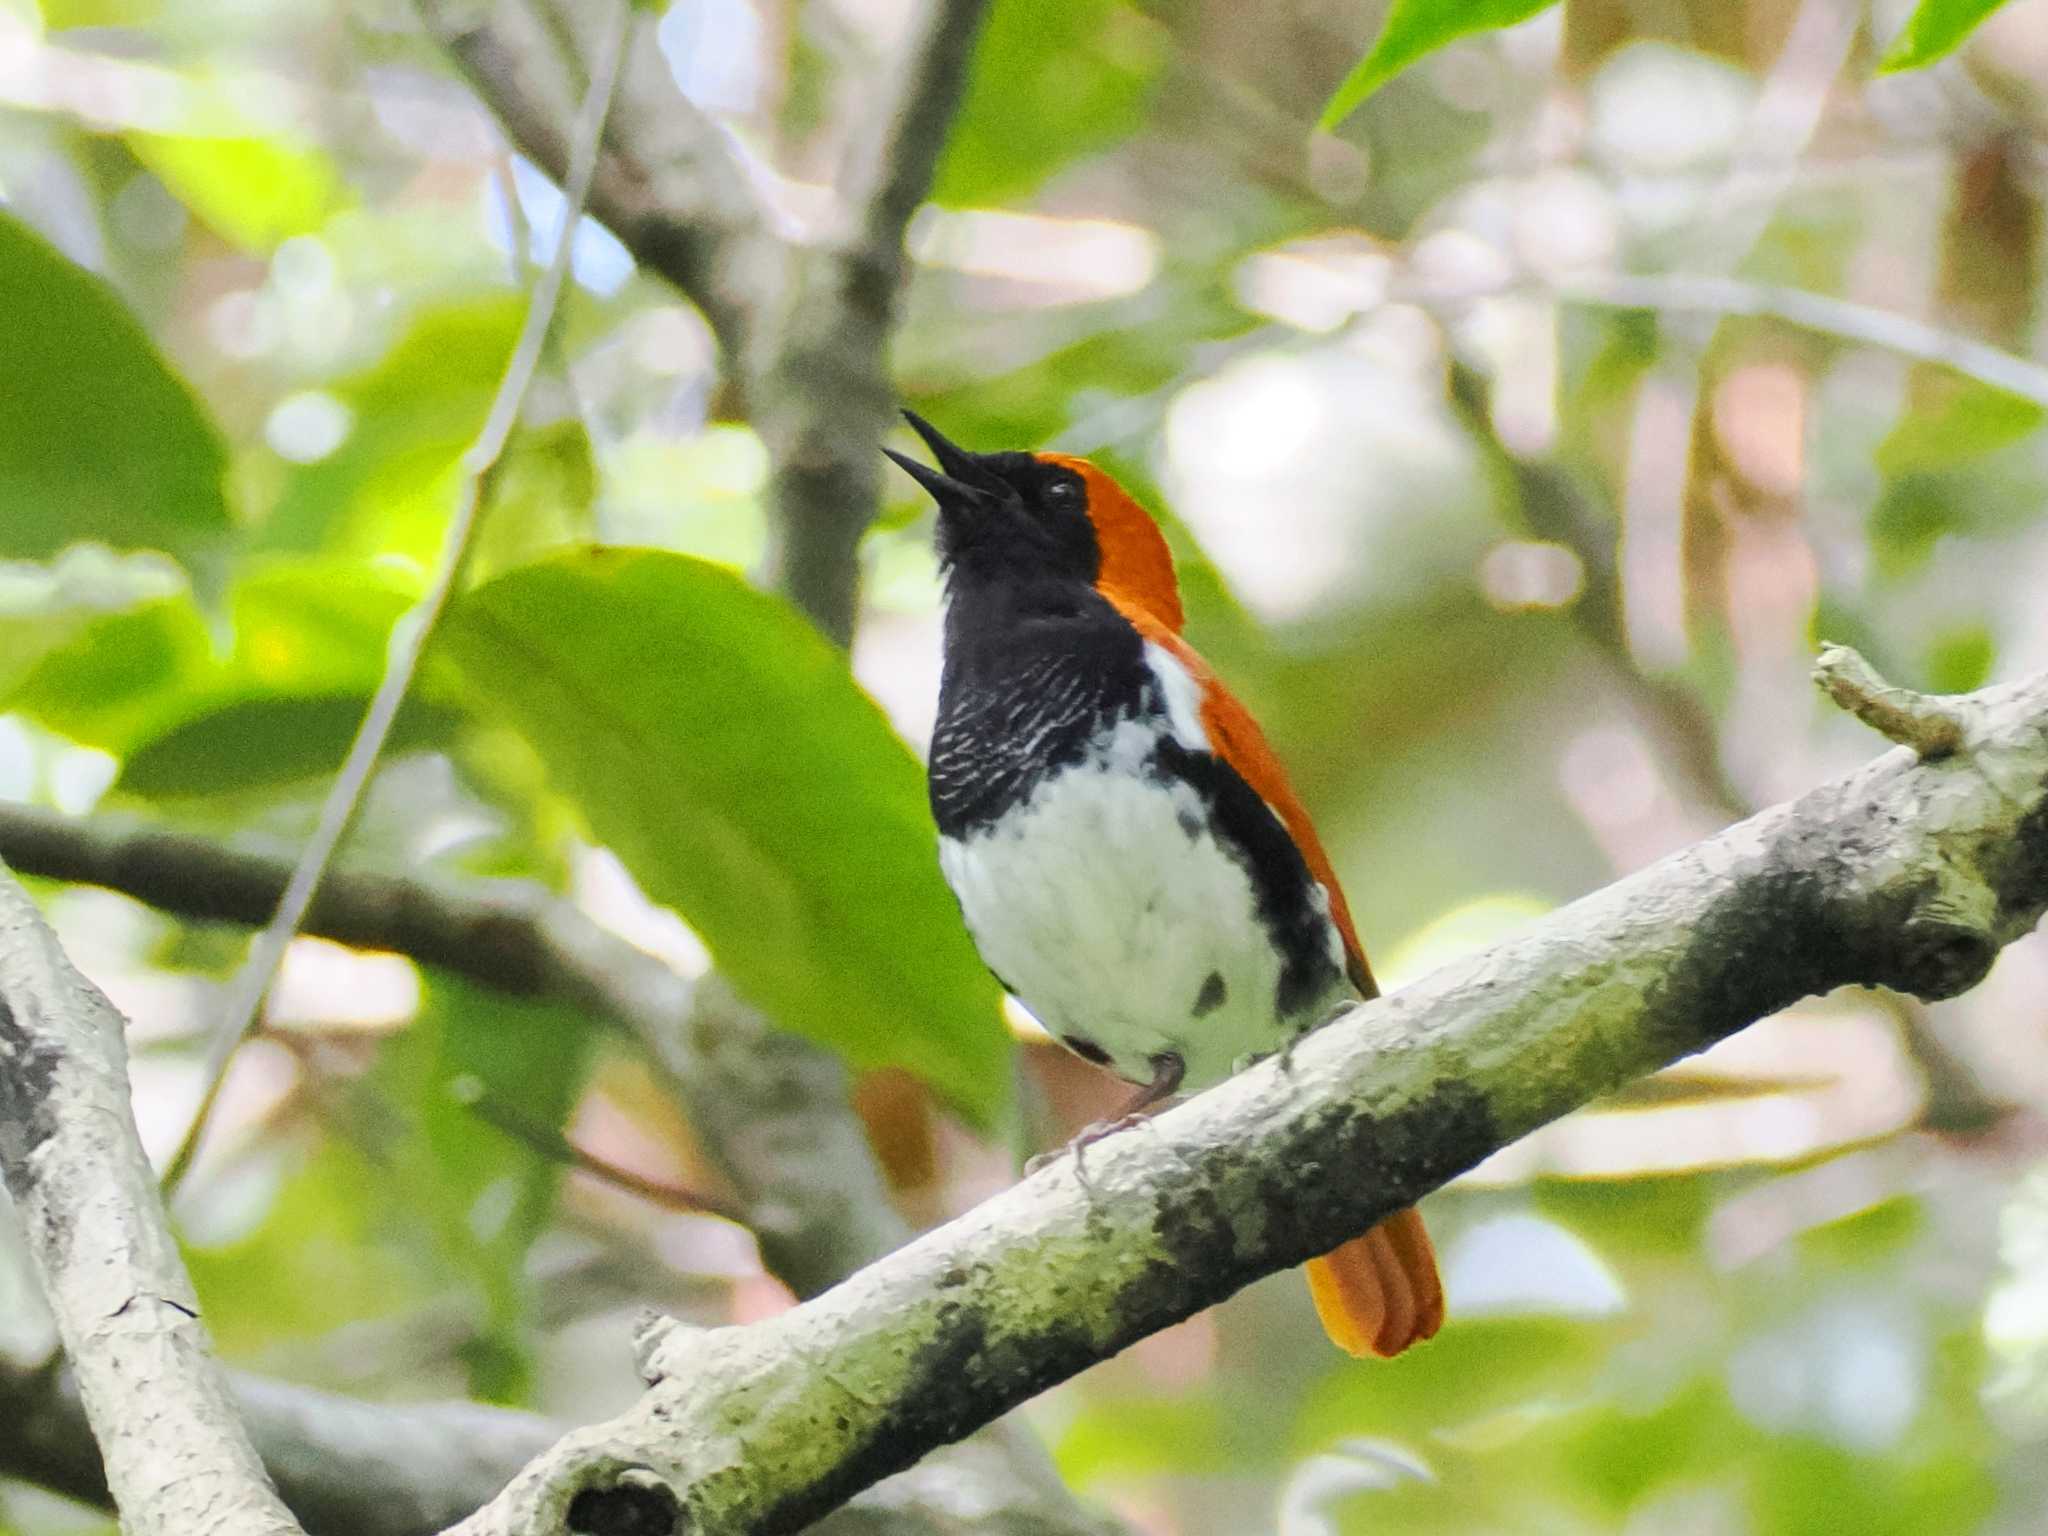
(1514, 637)
(99, 437)
(1935, 29)
(1412, 29)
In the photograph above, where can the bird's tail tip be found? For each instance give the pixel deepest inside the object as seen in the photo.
(1380, 1293)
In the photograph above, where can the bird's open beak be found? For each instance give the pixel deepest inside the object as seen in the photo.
(960, 480)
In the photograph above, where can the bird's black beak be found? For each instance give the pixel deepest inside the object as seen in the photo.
(960, 481)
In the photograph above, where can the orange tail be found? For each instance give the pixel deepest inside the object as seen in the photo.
(1380, 1293)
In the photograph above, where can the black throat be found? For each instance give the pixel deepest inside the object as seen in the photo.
(1034, 671)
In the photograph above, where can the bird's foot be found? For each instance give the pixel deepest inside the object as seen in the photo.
(1168, 1068)
(1081, 1140)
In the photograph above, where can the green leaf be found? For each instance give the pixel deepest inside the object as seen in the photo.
(1800, 1485)
(1052, 80)
(61, 14)
(99, 438)
(1970, 421)
(1414, 28)
(242, 744)
(541, 498)
(1934, 31)
(254, 192)
(313, 1263)
(388, 488)
(307, 626)
(1658, 1212)
(45, 607)
(723, 750)
(1869, 1236)
(116, 679)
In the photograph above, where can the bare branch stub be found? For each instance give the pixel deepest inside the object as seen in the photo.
(1931, 725)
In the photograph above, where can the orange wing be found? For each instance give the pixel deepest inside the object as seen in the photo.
(1380, 1293)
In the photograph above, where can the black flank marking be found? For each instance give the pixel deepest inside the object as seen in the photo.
(1087, 1050)
(1211, 997)
(1282, 887)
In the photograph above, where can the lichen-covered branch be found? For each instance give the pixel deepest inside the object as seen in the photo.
(346, 1467)
(177, 1458)
(1909, 873)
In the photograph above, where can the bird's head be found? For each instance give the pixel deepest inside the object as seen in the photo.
(1036, 517)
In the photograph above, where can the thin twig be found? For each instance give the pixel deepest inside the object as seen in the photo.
(1827, 316)
(1840, 318)
(410, 636)
(560, 1148)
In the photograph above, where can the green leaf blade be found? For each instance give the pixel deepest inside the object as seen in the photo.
(99, 437)
(1934, 31)
(720, 747)
(1413, 29)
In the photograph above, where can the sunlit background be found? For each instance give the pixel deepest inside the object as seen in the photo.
(1524, 569)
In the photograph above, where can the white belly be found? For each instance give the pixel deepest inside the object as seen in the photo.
(1118, 928)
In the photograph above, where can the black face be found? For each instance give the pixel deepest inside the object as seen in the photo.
(1005, 516)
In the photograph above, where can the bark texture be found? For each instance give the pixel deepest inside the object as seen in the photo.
(177, 1458)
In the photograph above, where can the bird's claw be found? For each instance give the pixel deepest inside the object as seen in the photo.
(1082, 1139)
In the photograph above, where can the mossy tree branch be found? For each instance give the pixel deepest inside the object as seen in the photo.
(1911, 873)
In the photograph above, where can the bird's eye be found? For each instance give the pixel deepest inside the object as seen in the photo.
(1063, 494)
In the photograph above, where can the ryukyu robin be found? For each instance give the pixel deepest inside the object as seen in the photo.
(1126, 850)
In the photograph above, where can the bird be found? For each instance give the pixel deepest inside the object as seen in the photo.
(1127, 853)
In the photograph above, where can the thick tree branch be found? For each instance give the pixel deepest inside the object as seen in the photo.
(177, 1458)
(1909, 873)
(346, 1467)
